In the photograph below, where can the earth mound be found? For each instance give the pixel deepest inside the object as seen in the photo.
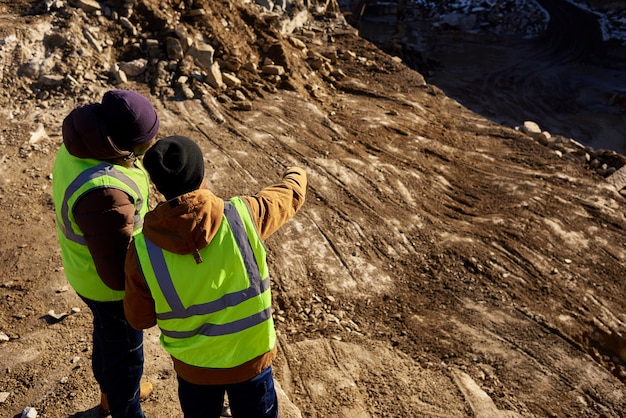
(443, 265)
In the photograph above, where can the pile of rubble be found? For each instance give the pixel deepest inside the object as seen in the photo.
(604, 162)
(515, 17)
(163, 50)
(121, 41)
(508, 17)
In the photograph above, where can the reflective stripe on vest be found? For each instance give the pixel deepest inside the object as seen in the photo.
(104, 169)
(257, 287)
(72, 178)
(215, 314)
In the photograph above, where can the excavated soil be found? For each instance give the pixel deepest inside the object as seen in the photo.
(442, 266)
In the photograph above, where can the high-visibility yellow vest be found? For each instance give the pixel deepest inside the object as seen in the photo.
(71, 178)
(214, 309)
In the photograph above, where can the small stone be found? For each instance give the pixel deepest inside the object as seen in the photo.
(4, 396)
(197, 12)
(231, 80)
(531, 128)
(273, 69)
(203, 55)
(188, 93)
(174, 49)
(29, 412)
(297, 43)
(250, 67)
(63, 289)
(245, 106)
(38, 135)
(214, 76)
(239, 96)
(134, 68)
(56, 316)
(51, 80)
(89, 6)
(127, 24)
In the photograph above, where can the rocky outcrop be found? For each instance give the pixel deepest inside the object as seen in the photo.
(163, 49)
(176, 61)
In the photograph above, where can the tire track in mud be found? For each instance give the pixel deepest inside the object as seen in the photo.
(342, 196)
(555, 80)
(527, 262)
(601, 339)
(273, 143)
(309, 163)
(503, 328)
(571, 37)
(449, 188)
(342, 182)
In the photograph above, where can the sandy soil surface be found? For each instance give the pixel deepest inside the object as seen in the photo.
(443, 265)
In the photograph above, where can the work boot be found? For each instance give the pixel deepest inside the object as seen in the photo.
(145, 389)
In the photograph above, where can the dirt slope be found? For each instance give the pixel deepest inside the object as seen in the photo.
(443, 265)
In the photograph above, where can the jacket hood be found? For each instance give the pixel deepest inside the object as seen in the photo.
(185, 224)
(85, 134)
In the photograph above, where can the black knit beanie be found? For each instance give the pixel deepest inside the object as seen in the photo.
(175, 165)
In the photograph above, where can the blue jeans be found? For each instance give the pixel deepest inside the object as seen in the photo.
(117, 359)
(254, 398)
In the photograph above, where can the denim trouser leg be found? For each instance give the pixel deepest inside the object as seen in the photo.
(254, 398)
(117, 360)
(200, 401)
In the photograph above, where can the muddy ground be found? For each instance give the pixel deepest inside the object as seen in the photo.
(442, 266)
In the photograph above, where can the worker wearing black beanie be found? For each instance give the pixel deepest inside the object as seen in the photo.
(199, 270)
(175, 165)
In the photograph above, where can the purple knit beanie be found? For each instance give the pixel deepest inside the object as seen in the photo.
(129, 117)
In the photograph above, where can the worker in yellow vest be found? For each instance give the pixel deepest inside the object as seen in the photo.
(199, 271)
(100, 193)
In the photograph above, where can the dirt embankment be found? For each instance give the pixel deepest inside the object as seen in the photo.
(443, 265)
